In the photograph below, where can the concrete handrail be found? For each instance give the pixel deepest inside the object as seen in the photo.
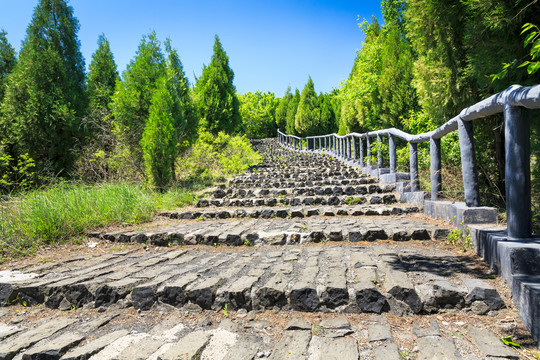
(517, 151)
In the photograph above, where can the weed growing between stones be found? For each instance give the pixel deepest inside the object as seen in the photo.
(225, 312)
(461, 239)
(353, 201)
(317, 329)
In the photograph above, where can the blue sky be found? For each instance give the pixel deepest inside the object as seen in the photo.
(271, 44)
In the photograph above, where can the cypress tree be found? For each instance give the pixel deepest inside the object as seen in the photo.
(102, 76)
(8, 59)
(132, 98)
(218, 105)
(291, 112)
(160, 135)
(281, 111)
(187, 129)
(308, 115)
(328, 118)
(45, 94)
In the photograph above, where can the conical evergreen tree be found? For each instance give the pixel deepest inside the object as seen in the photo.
(291, 113)
(45, 94)
(8, 59)
(132, 98)
(308, 115)
(102, 76)
(187, 128)
(218, 105)
(281, 111)
(160, 135)
(328, 118)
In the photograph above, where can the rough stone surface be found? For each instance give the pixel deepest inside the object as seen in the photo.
(293, 345)
(489, 344)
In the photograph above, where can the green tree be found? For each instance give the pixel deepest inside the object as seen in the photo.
(102, 76)
(187, 128)
(308, 116)
(8, 59)
(359, 95)
(258, 112)
(328, 117)
(396, 91)
(45, 94)
(436, 30)
(160, 135)
(291, 113)
(132, 98)
(281, 111)
(215, 94)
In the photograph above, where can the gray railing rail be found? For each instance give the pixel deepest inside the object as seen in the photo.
(517, 151)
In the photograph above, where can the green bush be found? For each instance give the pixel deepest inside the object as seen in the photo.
(16, 175)
(213, 157)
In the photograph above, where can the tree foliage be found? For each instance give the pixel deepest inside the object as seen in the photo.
(186, 129)
(160, 136)
(102, 76)
(281, 111)
(308, 116)
(291, 113)
(45, 94)
(8, 59)
(133, 96)
(258, 112)
(215, 94)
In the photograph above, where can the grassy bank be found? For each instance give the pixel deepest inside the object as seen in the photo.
(67, 211)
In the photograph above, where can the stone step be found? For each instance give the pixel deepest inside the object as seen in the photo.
(331, 200)
(287, 212)
(347, 279)
(188, 333)
(296, 230)
(279, 183)
(312, 190)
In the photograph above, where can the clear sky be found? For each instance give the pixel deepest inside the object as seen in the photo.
(271, 44)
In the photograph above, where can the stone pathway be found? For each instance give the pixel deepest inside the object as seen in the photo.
(298, 279)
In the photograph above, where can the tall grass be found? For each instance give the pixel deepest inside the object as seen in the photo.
(67, 211)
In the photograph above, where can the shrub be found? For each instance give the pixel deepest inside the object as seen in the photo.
(213, 157)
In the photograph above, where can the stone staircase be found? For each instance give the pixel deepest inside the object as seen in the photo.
(301, 257)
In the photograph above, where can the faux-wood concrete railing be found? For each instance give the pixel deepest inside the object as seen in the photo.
(517, 151)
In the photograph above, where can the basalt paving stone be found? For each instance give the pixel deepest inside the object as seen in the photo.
(346, 279)
(264, 231)
(178, 334)
(287, 212)
(301, 200)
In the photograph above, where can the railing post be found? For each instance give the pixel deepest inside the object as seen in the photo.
(368, 149)
(361, 146)
(392, 153)
(518, 173)
(379, 152)
(435, 170)
(413, 163)
(325, 143)
(354, 147)
(468, 163)
(348, 147)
